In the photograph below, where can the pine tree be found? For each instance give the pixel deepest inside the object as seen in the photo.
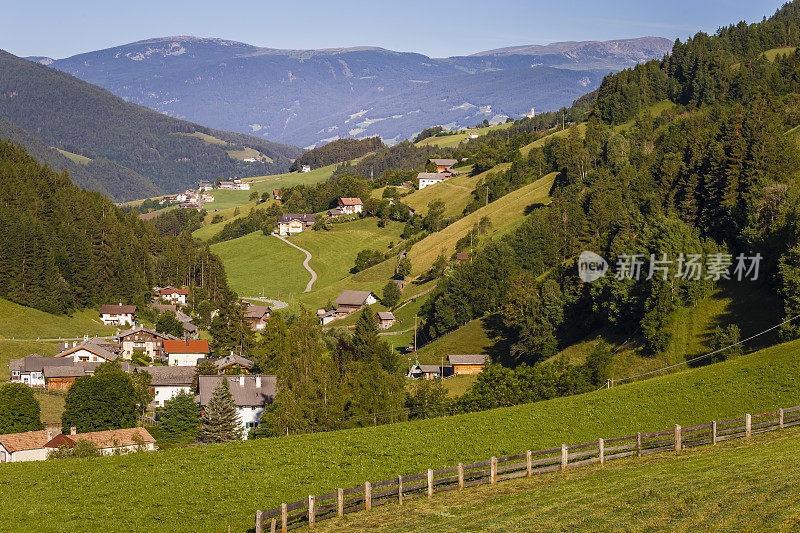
(220, 421)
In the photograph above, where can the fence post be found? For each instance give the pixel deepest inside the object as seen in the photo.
(340, 498)
(430, 483)
(311, 512)
(399, 490)
(367, 496)
(493, 470)
(272, 526)
(460, 476)
(601, 445)
(747, 425)
(528, 463)
(258, 522)
(714, 433)
(564, 457)
(677, 438)
(639, 444)
(284, 518)
(780, 418)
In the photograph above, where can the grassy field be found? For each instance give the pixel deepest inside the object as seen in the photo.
(452, 141)
(556, 133)
(256, 263)
(775, 52)
(455, 192)
(75, 158)
(119, 493)
(51, 405)
(502, 212)
(739, 484)
(259, 264)
(17, 321)
(471, 338)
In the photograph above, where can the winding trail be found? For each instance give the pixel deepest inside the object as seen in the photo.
(305, 263)
(276, 304)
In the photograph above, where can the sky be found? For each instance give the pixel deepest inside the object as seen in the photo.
(437, 28)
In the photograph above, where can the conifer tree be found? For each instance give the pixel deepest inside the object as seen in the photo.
(220, 421)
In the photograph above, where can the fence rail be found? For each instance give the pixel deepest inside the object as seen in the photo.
(365, 497)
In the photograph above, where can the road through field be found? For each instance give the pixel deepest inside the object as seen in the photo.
(305, 263)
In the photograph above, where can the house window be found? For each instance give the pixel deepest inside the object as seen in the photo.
(251, 425)
(2, 457)
(84, 358)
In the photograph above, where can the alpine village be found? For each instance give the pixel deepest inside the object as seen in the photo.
(544, 309)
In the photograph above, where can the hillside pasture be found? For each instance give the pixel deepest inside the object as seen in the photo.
(502, 212)
(706, 488)
(454, 139)
(260, 474)
(20, 322)
(456, 193)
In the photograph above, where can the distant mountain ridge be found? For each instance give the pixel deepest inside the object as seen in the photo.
(309, 97)
(122, 150)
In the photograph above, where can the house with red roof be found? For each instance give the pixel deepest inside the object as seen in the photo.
(185, 353)
(350, 206)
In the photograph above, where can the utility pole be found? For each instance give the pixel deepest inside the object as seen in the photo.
(415, 333)
(487, 195)
(441, 376)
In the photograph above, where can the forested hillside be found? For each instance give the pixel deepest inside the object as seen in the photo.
(129, 151)
(63, 248)
(337, 151)
(713, 171)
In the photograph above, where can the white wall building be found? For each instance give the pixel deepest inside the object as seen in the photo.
(250, 394)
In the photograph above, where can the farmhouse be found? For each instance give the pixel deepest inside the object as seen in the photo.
(473, 135)
(335, 213)
(250, 394)
(385, 319)
(257, 316)
(443, 165)
(28, 446)
(30, 370)
(350, 206)
(294, 223)
(108, 442)
(305, 168)
(419, 371)
(467, 364)
(351, 301)
(276, 193)
(185, 353)
(227, 185)
(426, 179)
(118, 315)
(205, 186)
(91, 350)
(168, 381)
(62, 377)
(148, 341)
(164, 307)
(173, 295)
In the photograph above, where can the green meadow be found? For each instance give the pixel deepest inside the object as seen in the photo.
(207, 488)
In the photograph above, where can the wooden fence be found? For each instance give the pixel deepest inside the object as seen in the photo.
(365, 497)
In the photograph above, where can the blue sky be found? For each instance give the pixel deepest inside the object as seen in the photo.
(437, 28)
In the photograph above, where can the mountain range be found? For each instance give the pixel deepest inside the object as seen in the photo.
(120, 149)
(309, 97)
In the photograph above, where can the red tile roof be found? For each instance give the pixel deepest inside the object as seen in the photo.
(30, 440)
(174, 291)
(350, 201)
(105, 439)
(190, 346)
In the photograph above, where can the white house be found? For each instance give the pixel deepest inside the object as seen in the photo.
(295, 223)
(28, 446)
(305, 168)
(31, 369)
(243, 186)
(426, 179)
(350, 301)
(139, 339)
(118, 315)
(185, 353)
(91, 350)
(474, 135)
(250, 394)
(173, 295)
(350, 206)
(168, 381)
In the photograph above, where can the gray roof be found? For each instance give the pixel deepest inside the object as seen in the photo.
(97, 346)
(233, 359)
(244, 396)
(72, 371)
(440, 176)
(444, 162)
(432, 369)
(164, 307)
(385, 315)
(37, 363)
(470, 359)
(256, 311)
(144, 330)
(348, 297)
(303, 217)
(170, 375)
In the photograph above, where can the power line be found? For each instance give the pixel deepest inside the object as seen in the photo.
(698, 358)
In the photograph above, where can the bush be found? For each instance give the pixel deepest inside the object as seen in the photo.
(19, 409)
(391, 294)
(82, 448)
(180, 419)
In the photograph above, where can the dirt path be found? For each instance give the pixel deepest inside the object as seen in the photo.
(305, 263)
